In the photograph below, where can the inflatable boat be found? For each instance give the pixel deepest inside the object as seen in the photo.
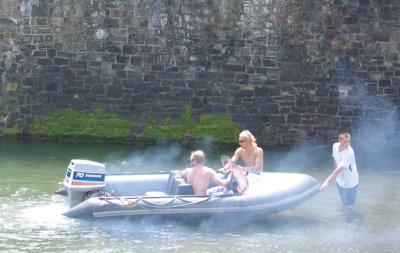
(93, 193)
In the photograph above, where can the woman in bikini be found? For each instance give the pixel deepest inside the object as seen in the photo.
(252, 157)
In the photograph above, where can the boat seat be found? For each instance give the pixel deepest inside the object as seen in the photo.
(180, 187)
(185, 189)
(176, 185)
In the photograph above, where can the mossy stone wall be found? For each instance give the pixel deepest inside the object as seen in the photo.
(290, 71)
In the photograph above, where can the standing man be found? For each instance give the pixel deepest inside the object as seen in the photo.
(345, 170)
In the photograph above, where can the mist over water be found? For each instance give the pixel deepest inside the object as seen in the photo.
(149, 159)
(377, 141)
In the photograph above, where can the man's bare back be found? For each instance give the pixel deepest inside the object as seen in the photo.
(200, 176)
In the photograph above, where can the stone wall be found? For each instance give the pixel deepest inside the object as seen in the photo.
(290, 71)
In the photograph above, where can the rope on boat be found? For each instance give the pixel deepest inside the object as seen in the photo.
(126, 203)
(175, 198)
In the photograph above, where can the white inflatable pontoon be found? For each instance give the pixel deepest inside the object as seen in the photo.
(92, 193)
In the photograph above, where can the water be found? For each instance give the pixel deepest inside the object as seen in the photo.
(31, 220)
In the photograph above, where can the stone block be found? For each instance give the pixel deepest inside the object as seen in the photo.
(111, 22)
(269, 108)
(78, 64)
(122, 59)
(234, 68)
(277, 119)
(136, 60)
(244, 93)
(39, 53)
(114, 91)
(381, 36)
(384, 83)
(43, 61)
(293, 118)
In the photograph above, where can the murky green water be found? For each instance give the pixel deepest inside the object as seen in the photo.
(31, 220)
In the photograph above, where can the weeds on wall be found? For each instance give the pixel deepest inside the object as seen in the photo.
(72, 123)
(69, 123)
(12, 131)
(219, 128)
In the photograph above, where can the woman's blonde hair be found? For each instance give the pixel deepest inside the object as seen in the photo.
(249, 137)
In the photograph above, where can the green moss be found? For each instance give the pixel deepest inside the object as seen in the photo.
(72, 123)
(12, 131)
(220, 128)
(69, 123)
(187, 121)
(169, 130)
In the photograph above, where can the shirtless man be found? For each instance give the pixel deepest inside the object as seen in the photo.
(199, 175)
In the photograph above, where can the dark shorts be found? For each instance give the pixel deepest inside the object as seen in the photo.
(347, 195)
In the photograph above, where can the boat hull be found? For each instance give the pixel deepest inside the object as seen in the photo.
(128, 196)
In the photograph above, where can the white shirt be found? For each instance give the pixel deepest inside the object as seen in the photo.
(348, 177)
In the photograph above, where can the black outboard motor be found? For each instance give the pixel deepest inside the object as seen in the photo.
(83, 176)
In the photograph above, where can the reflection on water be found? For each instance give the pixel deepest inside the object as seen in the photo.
(31, 220)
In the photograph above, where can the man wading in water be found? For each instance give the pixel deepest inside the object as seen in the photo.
(345, 170)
